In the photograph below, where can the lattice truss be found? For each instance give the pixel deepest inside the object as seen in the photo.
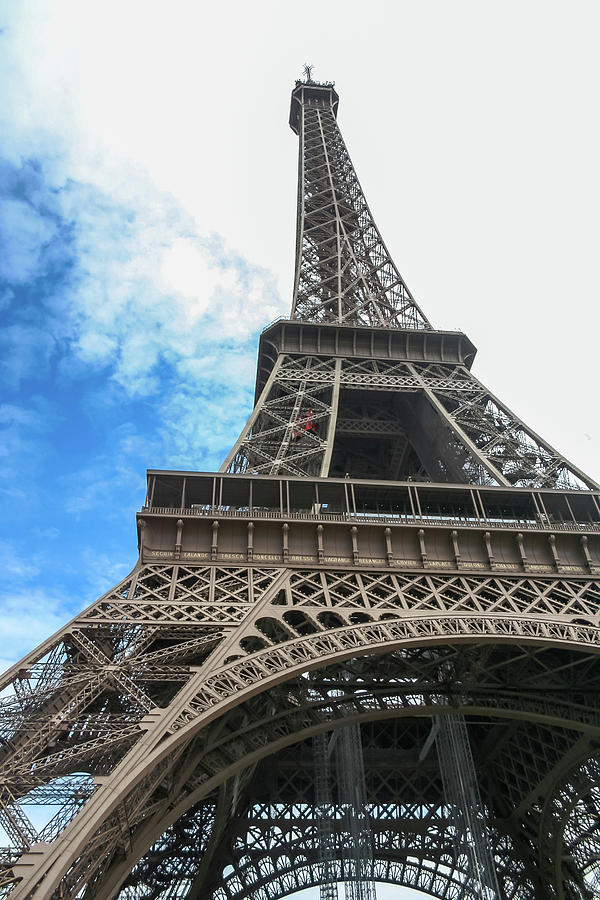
(513, 453)
(465, 433)
(270, 848)
(147, 729)
(274, 439)
(344, 272)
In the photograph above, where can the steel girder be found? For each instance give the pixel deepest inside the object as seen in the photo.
(467, 434)
(105, 720)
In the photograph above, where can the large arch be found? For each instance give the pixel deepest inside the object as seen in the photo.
(425, 619)
(264, 876)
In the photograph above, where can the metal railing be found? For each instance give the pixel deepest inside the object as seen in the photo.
(371, 518)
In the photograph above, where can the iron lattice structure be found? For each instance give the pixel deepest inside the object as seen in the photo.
(386, 546)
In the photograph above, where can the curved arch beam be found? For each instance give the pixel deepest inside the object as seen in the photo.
(207, 696)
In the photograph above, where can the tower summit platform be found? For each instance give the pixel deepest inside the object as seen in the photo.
(312, 93)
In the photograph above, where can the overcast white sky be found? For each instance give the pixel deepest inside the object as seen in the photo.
(148, 216)
(473, 126)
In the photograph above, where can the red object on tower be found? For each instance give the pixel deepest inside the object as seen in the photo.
(306, 423)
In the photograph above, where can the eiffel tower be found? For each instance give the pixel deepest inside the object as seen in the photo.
(390, 589)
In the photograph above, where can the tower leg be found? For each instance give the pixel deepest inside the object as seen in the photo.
(462, 796)
(358, 852)
(324, 812)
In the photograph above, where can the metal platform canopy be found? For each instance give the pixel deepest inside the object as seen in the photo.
(199, 493)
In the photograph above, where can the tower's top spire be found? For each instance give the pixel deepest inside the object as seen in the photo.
(307, 71)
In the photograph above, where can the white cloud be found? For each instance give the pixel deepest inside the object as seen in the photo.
(50, 533)
(185, 266)
(28, 617)
(198, 429)
(139, 286)
(22, 442)
(151, 282)
(102, 572)
(13, 565)
(24, 234)
(148, 288)
(28, 612)
(10, 414)
(106, 477)
(95, 347)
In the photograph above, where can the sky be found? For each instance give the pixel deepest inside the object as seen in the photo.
(147, 223)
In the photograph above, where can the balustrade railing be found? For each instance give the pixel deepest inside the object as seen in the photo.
(372, 518)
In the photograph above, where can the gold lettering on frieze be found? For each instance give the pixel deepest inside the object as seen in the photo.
(336, 558)
(571, 568)
(301, 558)
(190, 554)
(231, 556)
(440, 564)
(369, 560)
(270, 556)
(409, 563)
(538, 567)
(511, 566)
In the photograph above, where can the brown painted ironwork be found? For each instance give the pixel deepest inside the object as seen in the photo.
(386, 545)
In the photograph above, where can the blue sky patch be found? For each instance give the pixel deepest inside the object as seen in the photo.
(111, 364)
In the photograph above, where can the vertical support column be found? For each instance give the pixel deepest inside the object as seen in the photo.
(335, 399)
(389, 553)
(455, 548)
(324, 813)
(178, 537)
(522, 554)
(465, 809)
(354, 538)
(285, 550)
(150, 498)
(320, 551)
(141, 526)
(357, 849)
(422, 546)
(586, 553)
(214, 547)
(554, 551)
